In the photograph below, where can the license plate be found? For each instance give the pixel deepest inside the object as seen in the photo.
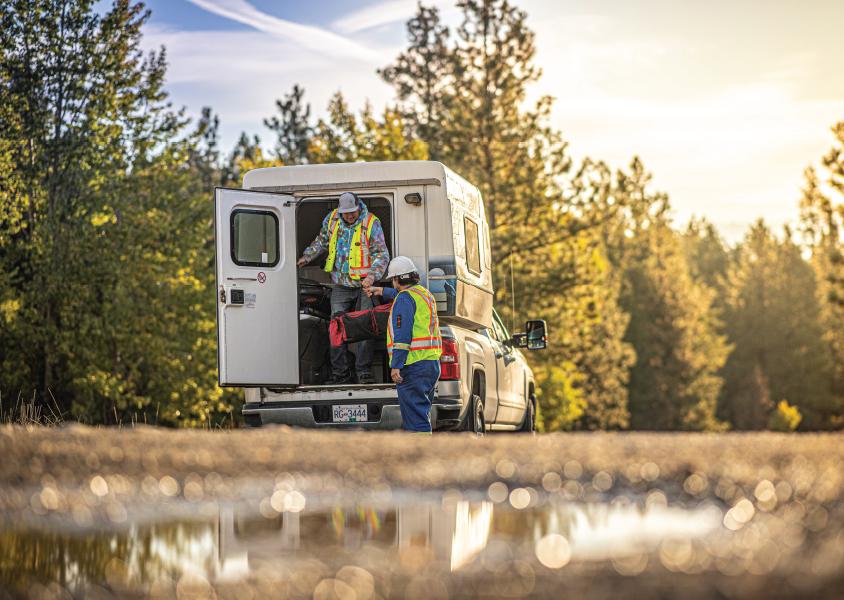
(348, 413)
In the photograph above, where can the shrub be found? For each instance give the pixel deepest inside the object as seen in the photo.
(785, 418)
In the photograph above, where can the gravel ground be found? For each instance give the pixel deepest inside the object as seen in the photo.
(781, 497)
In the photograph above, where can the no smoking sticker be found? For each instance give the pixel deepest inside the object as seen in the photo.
(262, 277)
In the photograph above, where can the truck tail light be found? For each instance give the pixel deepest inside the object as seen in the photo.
(449, 361)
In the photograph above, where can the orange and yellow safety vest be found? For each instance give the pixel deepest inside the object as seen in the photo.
(426, 342)
(359, 257)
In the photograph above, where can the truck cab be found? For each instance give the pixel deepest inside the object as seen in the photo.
(272, 317)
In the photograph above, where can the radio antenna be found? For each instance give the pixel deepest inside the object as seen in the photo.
(512, 298)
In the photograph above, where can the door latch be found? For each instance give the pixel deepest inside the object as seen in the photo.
(222, 295)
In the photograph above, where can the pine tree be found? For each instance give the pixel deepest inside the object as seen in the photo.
(292, 128)
(707, 256)
(821, 223)
(105, 225)
(73, 85)
(247, 155)
(345, 137)
(422, 77)
(772, 320)
(674, 383)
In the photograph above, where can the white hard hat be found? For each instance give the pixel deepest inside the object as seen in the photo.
(400, 265)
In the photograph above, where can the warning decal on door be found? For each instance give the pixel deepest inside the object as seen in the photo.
(262, 277)
(249, 300)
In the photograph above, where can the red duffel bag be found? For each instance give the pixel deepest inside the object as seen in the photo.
(360, 325)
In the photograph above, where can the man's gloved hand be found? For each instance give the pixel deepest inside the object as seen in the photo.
(302, 262)
(374, 291)
(367, 283)
(395, 375)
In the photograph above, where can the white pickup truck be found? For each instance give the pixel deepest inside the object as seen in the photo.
(272, 318)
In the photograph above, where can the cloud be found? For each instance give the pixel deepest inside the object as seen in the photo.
(732, 155)
(240, 74)
(382, 13)
(308, 37)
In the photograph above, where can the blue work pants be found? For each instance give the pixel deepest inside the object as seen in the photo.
(416, 394)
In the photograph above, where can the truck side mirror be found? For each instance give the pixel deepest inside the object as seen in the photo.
(519, 340)
(536, 334)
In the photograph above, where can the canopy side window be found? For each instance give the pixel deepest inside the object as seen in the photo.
(473, 246)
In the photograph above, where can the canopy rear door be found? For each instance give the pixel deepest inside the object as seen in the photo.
(257, 299)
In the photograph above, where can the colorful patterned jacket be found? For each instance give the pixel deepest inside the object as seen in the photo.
(379, 255)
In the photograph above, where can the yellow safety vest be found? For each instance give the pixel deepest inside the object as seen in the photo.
(426, 342)
(359, 258)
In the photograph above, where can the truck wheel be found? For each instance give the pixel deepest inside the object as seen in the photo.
(529, 422)
(475, 416)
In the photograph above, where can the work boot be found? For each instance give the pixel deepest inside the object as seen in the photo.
(339, 379)
(366, 378)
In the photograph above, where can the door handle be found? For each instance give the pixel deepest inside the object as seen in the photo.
(236, 296)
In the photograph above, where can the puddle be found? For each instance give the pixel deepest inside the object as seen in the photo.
(305, 546)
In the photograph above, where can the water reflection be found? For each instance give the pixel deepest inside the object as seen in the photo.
(118, 559)
(455, 532)
(238, 543)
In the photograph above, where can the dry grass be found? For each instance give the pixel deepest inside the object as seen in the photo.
(31, 411)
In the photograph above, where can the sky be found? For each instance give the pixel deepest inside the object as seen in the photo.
(726, 102)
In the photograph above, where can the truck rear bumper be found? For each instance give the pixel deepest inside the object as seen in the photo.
(309, 410)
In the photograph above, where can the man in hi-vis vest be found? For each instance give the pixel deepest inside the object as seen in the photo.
(357, 256)
(413, 342)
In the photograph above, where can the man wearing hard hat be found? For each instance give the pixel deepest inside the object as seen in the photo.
(413, 343)
(357, 257)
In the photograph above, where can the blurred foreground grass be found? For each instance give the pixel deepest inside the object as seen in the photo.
(779, 501)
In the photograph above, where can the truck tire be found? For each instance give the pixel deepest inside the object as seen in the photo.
(475, 416)
(529, 422)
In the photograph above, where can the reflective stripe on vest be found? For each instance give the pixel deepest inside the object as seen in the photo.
(426, 342)
(360, 261)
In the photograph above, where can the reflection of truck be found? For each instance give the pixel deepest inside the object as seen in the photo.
(272, 318)
(454, 532)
